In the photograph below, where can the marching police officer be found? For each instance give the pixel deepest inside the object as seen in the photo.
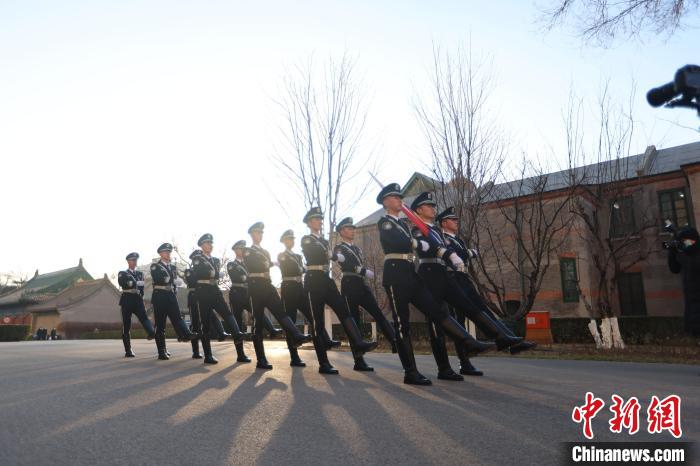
(206, 270)
(354, 287)
(403, 285)
(323, 291)
(448, 222)
(131, 302)
(238, 297)
(294, 298)
(433, 270)
(264, 295)
(164, 300)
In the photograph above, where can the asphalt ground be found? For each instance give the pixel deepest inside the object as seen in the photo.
(82, 402)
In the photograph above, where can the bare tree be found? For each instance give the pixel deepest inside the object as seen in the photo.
(609, 191)
(322, 155)
(525, 227)
(603, 20)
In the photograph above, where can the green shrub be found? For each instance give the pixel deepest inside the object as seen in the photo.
(14, 332)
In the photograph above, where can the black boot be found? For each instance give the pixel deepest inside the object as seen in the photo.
(456, 331)
(295, 360)
(360, 346)
(408, 360)
(298, 338)
(388, 331)
(442, 358)
(522, 346)
(126, 339)
(148, 326)
(467, 368)
(271, 329)
(195, 349)
(160, 346)
(494, 328)
(324, 366)
(260, 353)
(329, 342)
(241, 354)
(361, 365)
(235, 330)
(206, 346)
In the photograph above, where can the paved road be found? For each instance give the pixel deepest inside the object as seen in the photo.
(80, 402)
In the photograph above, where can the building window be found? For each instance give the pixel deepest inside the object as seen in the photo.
(630, 286)
(622, 222)
(569, 279)
(673, 206)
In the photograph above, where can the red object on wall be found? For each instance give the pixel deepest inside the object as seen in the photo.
(538, 328)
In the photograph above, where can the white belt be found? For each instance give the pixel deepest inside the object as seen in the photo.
(297, 279)
(322, 268)
(434, 260)
(163, 287)
(130, 291)
(392, 256)
(239, 285)
(207, 282)
(353, 274)
(259, 275)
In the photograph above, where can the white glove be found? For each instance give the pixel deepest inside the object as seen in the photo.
(140, 283)
(340, 258)
(369, 274)
(457, 263)
(179, 282)
(424, 246)
(472, 253)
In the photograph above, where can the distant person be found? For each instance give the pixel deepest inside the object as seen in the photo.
(53, 333)
(685, 260)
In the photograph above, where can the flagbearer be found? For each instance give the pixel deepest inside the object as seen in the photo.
(131, 302)
(354, 287)
(164, 300)
(323, 291)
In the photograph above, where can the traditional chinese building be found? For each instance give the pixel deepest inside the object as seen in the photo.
(15, 304)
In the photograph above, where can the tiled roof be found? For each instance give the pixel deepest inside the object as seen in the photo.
(44, 286)
(74, 294)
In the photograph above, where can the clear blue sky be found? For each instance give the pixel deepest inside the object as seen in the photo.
(109, 109)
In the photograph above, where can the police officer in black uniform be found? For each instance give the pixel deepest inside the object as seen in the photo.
(448, 222)
(131, 302)
(206, 270)
(238, 297)
(323, 291)
(404, 286)
(433, 269)
(294, 298)
(164, 300)
(264, 295)
(354, 287)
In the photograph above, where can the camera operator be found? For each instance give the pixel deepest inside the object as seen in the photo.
(684, 257)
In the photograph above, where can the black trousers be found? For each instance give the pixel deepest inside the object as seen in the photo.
(239, 299)
(263, 295)
(132, 304)
(323, 291)
(358, 294)
(165, 307)
(295, 299)
(210, 300)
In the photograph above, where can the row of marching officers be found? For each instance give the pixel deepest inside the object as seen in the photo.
(439, 288)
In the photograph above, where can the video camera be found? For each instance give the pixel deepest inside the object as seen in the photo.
(683, 91)
(674, 243)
